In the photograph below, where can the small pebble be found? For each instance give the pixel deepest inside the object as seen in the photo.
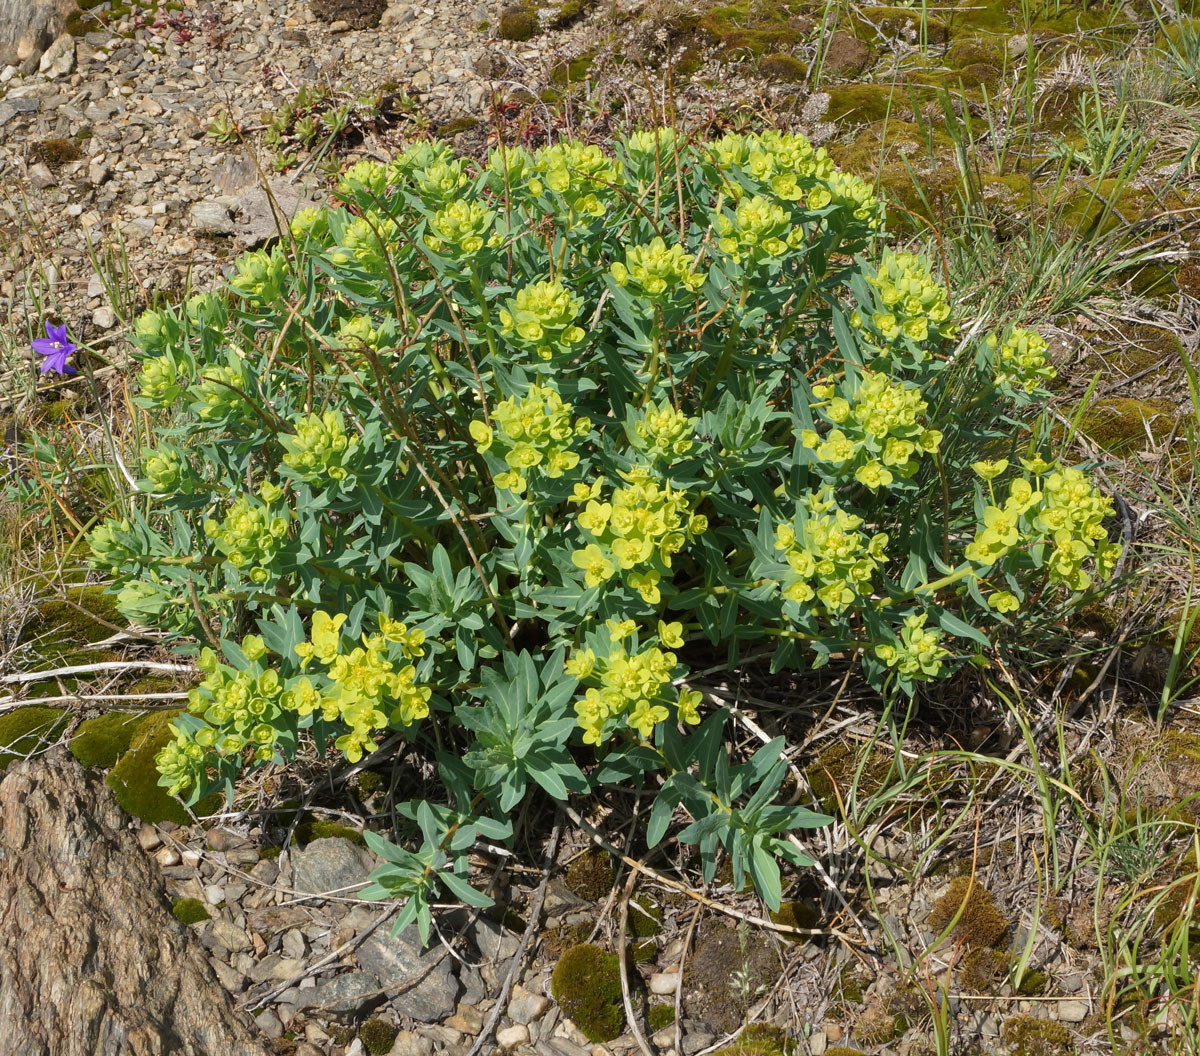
(166, 856)
(511, 1037)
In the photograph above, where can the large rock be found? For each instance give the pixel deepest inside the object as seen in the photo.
(421, 983)
(28, 27)
(331, 866)
(91, 958)
(262, 217)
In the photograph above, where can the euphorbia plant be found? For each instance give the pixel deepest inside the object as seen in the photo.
(483, 453)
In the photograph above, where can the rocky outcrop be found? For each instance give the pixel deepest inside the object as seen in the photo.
(91, 959)
(28, 27)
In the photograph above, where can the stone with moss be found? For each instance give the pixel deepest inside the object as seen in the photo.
(971, 909)
(645, 918)
(135, 777)
(189, 910)
(322, 828)
(518, 23)
(781, 67)
(797, 913)
(101, 741)
(590, 876)
(26, 731)
(378, 1036)
(586, 983)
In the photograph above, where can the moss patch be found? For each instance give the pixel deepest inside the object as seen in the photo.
(590, 876)
(377, 1036)
(1030, 1036)
(761, 1039)
(980, 923)
(135, 777)
(781, 67)
(319, 829)
(517, 23)
(753, 28)
(586, 983)
(660, 1015)
(797, 914)
(102, 740)
(862, 104)
(1122, 426)
(25, 731)
(55, 152)
(189, 910)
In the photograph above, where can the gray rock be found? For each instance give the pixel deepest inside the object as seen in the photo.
(408, 1043)
(29, 26)
(269, 1024)
(426, 983)
(526, 1007)
(40, 176)
(103, 318)
(330, 865)
(259, 218)
(235, 174)
(59, 59)
(233, 938)
(211, 218)
(1072, 1011)
(343, 994)
(10, 107)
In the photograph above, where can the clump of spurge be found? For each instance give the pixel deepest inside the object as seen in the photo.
(478, 455)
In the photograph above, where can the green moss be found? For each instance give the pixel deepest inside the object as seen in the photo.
(377, 1036)
(517, 23)
(848, 990)
(797, 914)
(878, 1025)
(369, 782)
(781, 67)
(645, 918)
(463, 123)
(63, 624)
(269, 853)
(1122, 425)
(761, 1039)
(189, 910)
(982, 969)
(980, 923)
(572, 71)
(569, 12)
(660, 1015)
(752, 27)
(836, 767)
(863, 103)
(843, 1050)
(1029, 1036)
(586, 983)
(590, 875)
(25, 731)
(102, 740)
(319, 829)
(642, 952)
(1033, 983)
(135, 778)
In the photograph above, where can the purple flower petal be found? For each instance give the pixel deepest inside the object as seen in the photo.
(55, 347)
(57, 333)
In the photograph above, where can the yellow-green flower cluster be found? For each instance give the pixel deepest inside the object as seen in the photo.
(1072, 513)
(311, 222)
(361, 243)
(218, 394)
(1022, 361)
(252, 533)
(160, 382)
(651, 148)
(912, 301)
(918, 655)
(878, 430)
(636, 688)
(460, 229)
(656, 271)
(320, 450)
(760, 227)
(582, 174)
(1067, 512)
(260, 276)
(533, 431)
(441, 180)
(368, 177)
(542, 317)
(779, 161)
(828, 558)
(662, 432)
(358, 331)
(167, 469)
(369, 687)
(852, 193)
(643, 523)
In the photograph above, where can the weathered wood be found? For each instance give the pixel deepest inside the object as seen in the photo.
(92, 961)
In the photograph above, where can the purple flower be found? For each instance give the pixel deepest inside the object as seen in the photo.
(55, 347)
